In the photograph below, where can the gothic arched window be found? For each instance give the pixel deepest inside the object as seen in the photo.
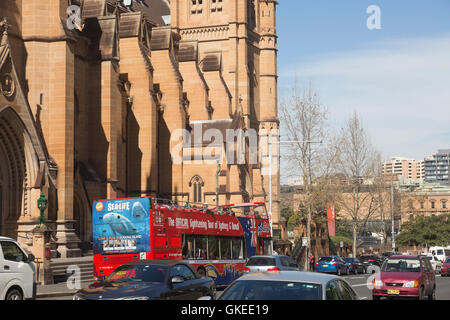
(196, 186)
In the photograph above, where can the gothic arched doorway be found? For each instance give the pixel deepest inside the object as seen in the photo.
(3, 189)
(14, 176)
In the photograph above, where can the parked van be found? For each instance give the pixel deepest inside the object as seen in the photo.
(17, 271)
(440, 252)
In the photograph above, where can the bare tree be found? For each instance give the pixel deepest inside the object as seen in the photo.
(303, 124)
(356, 163)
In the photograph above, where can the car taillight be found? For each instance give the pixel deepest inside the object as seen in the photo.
(273, 269)
(317, 264)
(372, 260)
(246, 269)
(350, 265)
(334, 263)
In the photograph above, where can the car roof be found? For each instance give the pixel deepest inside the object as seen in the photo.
(406, 256)
(6, 238)
(267, 256)
(294, 276)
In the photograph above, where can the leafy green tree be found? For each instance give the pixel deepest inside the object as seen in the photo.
(430, 231)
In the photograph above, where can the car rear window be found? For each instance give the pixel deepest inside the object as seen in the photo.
(348, 259)
(367, 257)
(401, 265)
(326, 259)
(261, 261)
(272, 290)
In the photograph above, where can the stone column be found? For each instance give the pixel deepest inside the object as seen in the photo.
(41, 243)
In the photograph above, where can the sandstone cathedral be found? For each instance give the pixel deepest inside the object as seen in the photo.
(94, 92)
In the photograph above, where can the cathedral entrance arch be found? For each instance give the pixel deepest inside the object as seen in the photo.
(14, 176)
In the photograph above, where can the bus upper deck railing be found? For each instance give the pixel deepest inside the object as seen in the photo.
(256, 209)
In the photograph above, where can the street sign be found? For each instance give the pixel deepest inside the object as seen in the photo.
(304, 241)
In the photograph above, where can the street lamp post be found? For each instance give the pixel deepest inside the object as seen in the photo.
(42, 205)
(270, 194)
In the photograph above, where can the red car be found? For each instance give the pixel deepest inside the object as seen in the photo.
(445, 270)
(405, 276)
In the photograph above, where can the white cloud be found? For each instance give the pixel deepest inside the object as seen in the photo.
(400, 88)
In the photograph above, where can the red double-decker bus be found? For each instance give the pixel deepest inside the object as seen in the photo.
(215, 241)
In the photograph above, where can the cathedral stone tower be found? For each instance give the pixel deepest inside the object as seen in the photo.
(241, 36)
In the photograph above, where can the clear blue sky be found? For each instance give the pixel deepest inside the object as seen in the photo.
(398, 77)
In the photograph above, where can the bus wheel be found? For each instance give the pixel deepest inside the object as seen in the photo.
(202, 272)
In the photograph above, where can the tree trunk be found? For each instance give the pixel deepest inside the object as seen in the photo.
(354, 238)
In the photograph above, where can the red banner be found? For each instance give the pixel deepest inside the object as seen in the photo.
(331, 219)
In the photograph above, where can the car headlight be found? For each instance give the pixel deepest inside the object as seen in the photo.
(134, 298)
(411, 284)
(377, 283)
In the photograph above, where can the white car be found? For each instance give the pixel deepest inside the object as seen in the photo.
(435, 262)
(17, 271)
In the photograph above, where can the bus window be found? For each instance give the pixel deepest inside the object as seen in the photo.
(237, 249)
(264, 246)
(188, 247)
(200, 246)
(225, 249)
(213, 248)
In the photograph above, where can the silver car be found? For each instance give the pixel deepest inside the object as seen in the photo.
(289, 285)
(271, 263)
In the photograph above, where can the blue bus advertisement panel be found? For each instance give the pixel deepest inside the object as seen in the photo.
(121, 226)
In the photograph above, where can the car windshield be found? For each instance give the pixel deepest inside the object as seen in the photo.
(326, 259)
(272, 290)
(401, 265)
(139, 273)
(440, 252)
(261, 261)
(367, 257)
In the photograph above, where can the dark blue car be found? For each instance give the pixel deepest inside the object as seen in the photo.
(332, 264)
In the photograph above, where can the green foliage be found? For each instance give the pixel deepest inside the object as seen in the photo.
(344, 228)
(431, 231)
(337, 240)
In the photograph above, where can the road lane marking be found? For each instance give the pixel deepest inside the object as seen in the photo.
(359, 285)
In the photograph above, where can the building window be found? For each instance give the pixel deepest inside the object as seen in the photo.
(422, 205)
(433, 205)
(196, 6)
(196, 186)
(444, 204)
(216, 6)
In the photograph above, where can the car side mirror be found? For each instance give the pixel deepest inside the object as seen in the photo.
(31, 257)
(176, 279)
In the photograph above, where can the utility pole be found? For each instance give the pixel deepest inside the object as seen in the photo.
(217, 183)
(308, 177)
(392, 216)
(270, 190)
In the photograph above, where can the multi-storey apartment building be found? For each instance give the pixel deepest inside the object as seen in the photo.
(437, 167)
(407, 168)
